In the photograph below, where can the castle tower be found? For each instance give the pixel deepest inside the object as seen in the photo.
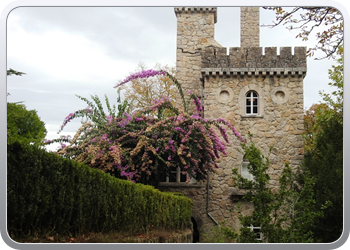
(195, 31)
(250, 27)
(260, 93)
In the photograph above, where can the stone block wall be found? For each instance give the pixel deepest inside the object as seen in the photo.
(225, 79)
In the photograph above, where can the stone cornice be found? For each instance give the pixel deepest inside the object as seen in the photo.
(179, 10)
(300, 71)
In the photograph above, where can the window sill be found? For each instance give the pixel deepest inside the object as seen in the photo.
(252, 116)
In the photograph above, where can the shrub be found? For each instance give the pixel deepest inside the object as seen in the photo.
(46, 193)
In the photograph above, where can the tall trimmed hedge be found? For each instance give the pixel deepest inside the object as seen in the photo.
(46, 192)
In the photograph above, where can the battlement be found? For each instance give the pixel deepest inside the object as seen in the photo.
(179, 10)
(252, 61)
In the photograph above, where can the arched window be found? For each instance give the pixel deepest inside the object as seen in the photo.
(251, 103)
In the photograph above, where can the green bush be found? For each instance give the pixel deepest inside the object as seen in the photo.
(47, 193)
(24, 125)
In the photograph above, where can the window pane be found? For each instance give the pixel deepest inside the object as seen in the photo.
(245, 166)
(257, 232)
(183, 178)
(251, 100)
(172, 177)
(163, 177)
(246, 175)
(248, 110)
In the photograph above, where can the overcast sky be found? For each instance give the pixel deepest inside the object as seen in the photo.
(66, 51)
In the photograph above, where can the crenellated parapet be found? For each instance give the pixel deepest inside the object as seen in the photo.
(186, 10)
(252, 60)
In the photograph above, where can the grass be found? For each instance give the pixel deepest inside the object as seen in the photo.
(111, 237)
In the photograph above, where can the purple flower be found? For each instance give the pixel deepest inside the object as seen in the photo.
(47, 141)
(67, 119)
(142, 74)
(180, 130)
(138, 119)
(109, 118)
(88, 110)
(128, 117)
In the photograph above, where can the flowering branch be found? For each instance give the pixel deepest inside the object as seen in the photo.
(143, 148)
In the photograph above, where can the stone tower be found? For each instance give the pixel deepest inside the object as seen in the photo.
(250, 28)
(257, 92)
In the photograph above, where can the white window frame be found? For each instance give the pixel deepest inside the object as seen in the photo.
(249, 97)
(242, 100)
(244, 170)
(258, 233)
(178, 174)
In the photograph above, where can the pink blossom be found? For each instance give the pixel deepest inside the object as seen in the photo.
(142, 74)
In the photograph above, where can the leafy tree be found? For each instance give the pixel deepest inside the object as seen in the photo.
(310, 125)
(325, 162)
(24, 125)
(324, 157)
(329, 41)
(143, 92)
(335, 99)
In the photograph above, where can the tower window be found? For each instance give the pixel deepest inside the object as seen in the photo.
(174, 175)
(251, 103)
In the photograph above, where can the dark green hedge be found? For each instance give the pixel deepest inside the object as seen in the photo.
(46, 192)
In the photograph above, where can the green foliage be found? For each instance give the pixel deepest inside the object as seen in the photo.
(286, 215)
(95, 113)
(218, 234)
(335, 99)
(324, 157)
(325, 162)
(14, 72)
(24, 125)
(47, 193)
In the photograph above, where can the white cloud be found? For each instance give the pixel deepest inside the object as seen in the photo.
(62, 55)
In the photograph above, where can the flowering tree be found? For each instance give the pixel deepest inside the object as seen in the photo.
(141, 147)
(143, 91)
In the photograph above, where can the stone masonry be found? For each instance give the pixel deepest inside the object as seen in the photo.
(250, 27)
(222, 81)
